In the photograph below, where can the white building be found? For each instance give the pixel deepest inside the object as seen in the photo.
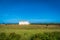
(24, 23)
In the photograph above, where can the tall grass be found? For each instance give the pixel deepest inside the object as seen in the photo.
(11, 36)
(37, 36)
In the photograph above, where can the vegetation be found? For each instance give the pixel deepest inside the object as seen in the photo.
(38, 36)
(11, 36)
(29, 32)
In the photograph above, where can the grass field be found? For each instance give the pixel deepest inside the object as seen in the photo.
(28, 32)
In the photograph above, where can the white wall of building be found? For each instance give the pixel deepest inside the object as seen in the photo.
(24, 23)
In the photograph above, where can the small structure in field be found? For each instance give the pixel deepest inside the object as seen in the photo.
(24, 23)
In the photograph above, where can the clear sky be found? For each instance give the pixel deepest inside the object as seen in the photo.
(12, 11)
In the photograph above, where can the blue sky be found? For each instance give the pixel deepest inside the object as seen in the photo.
(12, 11)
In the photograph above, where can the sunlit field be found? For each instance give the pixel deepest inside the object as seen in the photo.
(29, 32)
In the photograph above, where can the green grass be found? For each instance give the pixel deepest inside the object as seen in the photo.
(20, 29)
(28, 32)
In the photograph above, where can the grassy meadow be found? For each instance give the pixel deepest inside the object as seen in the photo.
(29, 32)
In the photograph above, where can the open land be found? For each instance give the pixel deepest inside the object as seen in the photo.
(31, 32)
